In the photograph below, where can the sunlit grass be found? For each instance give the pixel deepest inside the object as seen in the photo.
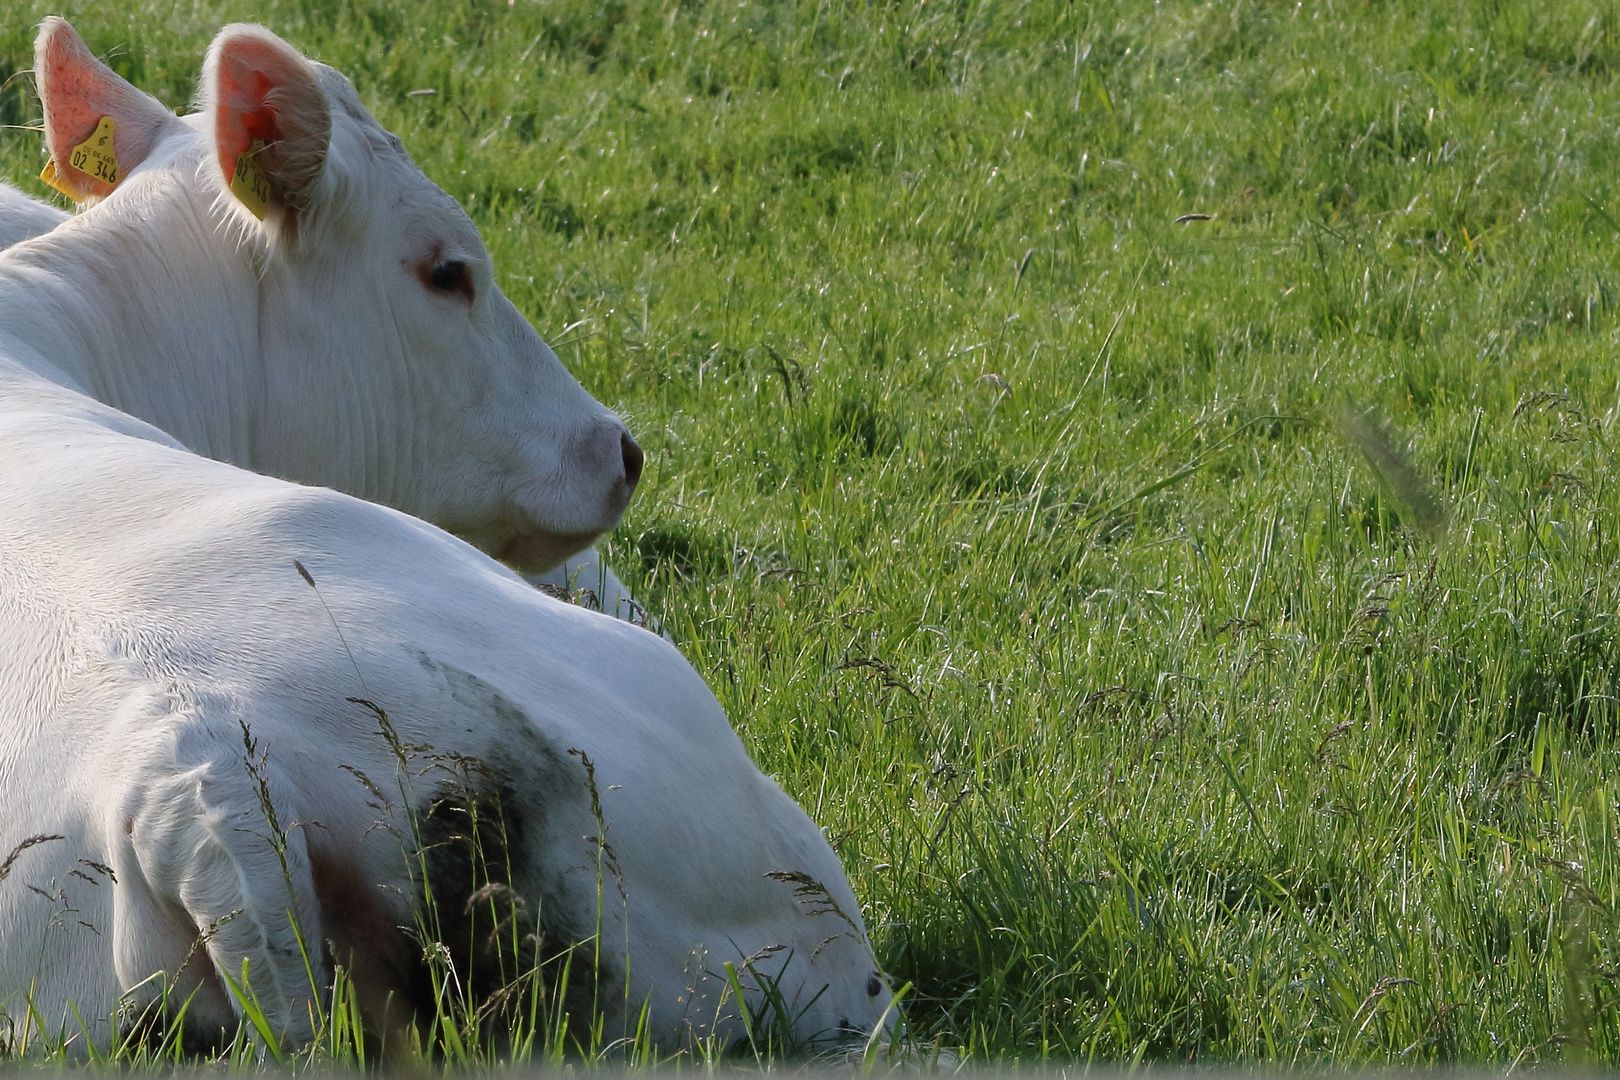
(1015, 522)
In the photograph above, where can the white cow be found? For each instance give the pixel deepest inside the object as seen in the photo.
(225, 698)
(583, 577)
(22, 216)
(422, 389)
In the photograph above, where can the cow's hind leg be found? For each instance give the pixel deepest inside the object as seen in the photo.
(164, 968)
(216, 895)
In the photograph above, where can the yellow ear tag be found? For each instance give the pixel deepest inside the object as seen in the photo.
(54, 178)
(250, 184)
(94, 157)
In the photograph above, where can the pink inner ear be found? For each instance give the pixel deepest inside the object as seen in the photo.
(239, 123)
(72, 121)
(249, 74)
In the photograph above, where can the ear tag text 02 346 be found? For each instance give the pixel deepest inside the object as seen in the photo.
(93, 157)
(249, 184)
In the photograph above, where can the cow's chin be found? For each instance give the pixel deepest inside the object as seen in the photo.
(535, 553)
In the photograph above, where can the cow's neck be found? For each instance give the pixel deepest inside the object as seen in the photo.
(144, 307)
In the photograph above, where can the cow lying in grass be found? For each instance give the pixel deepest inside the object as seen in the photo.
(247, 723)
(583, 577)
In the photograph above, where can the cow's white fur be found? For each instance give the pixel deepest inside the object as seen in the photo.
(298, 358)
(583, 576)
(23, 217)
(151, 614)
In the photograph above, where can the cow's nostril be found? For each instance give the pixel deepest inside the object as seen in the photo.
(633, 458)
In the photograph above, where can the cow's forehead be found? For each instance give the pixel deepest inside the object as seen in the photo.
(363, 147)
(346, 106)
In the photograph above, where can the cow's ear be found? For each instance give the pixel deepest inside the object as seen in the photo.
(269, 117)
(97, 126)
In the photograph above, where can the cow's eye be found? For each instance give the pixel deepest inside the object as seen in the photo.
(450, 276)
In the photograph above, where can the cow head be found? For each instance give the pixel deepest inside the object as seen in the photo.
(386, 362)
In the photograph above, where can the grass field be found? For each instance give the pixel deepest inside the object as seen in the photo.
(1199, 637)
